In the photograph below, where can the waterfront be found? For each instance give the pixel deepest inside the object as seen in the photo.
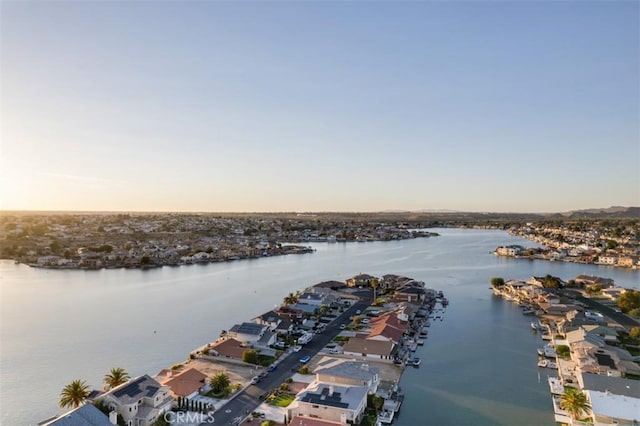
(479, 363)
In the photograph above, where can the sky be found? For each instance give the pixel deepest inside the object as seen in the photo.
(504, 106)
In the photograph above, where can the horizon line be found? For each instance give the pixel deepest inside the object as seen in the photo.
(387, 211)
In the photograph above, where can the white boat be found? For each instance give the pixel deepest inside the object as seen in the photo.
(420, 342)
(541, 351)
(534, 325)
(543, 363)
(414, 361)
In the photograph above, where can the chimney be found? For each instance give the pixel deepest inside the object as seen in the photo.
(113, 417)
(331, 389)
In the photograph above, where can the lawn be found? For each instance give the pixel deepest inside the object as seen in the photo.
(282, 400)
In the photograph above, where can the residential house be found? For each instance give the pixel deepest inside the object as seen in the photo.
(315, 299)
(614, 385)
(333, 285)
(140, 401)
(383, 332)
(347, 372)
(330, 402)
(230, 348)
(187, 383)
(588, 280)
(271, 319)
(85, 415)
(611, 409)
(305, 308)
(359, 280)
(410, 294)
(512, 250)
(607, 259)
(627, 261)
(367, 348)
(247, 332)
(289, 312)
(592, 355)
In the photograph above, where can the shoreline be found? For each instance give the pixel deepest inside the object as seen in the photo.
(357, 308)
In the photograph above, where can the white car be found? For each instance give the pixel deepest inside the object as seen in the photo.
(297, 348)
(342, 326)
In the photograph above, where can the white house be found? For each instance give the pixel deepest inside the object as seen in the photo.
(140, 401)
(247, 332)
(347, 372)
(330, 402)
(611, 409)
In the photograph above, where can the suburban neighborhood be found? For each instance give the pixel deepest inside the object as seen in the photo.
(331, 354)
(590, 337)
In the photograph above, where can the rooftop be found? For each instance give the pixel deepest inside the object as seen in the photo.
(615, 406)
(346, 368)
(85, 415)
(346, 397)
(133, 390)
(247, 328)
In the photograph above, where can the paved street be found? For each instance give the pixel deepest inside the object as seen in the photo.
(618, 317)
(247, 401)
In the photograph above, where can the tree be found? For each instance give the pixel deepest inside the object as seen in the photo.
(629, 300)
(551, 282)
(634, 332)
(497, 282)
(374, 283)
(116, 377)
(290, 299)
(563, 351)
(376, 402)
(574, 401)
(74, 394)
(220, 382)
(145, 260)
(250, 356)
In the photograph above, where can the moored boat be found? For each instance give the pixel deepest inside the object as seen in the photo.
(415, 361)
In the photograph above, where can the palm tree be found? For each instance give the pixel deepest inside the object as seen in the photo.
(116, 377)
(574, 401)
(290, 299)
(373, 282)
(220, 382)
(74, 394)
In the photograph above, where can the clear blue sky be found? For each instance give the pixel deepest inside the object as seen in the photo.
(319, 106)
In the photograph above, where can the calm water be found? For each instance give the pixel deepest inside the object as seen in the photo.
(478, 364)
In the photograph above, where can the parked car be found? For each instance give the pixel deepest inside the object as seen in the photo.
(342, 326)
(297, 348)
(271, 368)
(305, 359)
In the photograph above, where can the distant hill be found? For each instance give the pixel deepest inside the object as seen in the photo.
(609, 212)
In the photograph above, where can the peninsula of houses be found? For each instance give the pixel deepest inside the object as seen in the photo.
(611, 244)
(591, 344)
(95, 241)
(329, 355)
